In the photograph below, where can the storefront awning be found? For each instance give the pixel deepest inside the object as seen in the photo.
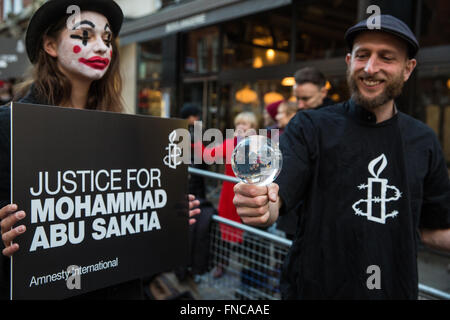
(192, 15)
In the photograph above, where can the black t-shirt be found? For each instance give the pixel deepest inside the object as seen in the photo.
(367, 189)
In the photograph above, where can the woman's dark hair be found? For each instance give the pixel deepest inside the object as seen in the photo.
(52, 87)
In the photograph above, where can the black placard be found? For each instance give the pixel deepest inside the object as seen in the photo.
(102, 173)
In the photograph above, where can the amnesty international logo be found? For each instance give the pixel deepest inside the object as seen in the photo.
(172, 160)
(377, 192)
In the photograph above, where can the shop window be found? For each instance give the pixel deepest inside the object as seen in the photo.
(258, 41)
(150, 100)
(435, 96)
(254, 97)
(202, 51)
(435, 23)
(321, 26)
(150, 62)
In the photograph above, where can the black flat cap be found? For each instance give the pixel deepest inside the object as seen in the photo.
(54, 10)
(390, 25)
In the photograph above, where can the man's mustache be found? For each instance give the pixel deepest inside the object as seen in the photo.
(366, 76)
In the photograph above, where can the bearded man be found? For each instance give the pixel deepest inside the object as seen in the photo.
(373, 181)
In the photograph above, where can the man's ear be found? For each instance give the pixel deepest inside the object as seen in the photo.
(409, 68)
(50, 46)
(324, 91)
(348, 58)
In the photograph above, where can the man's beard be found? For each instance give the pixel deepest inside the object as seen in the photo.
(392, 90)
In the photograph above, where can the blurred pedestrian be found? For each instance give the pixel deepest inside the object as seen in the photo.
(245, 123)
(270, 121)
(199, 233)
(310, 89)
(192, 113)
(6, 94)
(286, 111)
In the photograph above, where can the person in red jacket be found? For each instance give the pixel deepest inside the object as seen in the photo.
(245, 124)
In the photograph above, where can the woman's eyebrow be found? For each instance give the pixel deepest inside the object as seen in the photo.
(89, 23)
(83, 38)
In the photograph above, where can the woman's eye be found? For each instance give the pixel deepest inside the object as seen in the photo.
(85, 36)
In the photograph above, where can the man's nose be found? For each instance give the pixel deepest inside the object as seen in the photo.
(301, 104)
(372, 65)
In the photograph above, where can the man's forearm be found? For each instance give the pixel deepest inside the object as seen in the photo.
(437, 239)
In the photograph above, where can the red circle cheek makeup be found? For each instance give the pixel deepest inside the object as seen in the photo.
(76, 49)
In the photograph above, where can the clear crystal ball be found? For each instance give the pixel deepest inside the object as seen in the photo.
(255, 160)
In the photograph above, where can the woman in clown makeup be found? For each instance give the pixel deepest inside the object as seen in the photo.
(72, 46)
(75, 55)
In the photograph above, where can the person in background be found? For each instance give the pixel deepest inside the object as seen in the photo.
(286, 111)
(245, 123)
(270, 113)
(192, 113)
(270, 121)
(199, 233)
(6, 91)
(310, 89)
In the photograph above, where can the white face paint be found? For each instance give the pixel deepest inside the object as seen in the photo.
(85, 49)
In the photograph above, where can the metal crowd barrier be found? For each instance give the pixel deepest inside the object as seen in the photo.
(251, 259)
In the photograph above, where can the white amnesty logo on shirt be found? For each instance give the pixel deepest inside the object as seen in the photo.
(377, 190)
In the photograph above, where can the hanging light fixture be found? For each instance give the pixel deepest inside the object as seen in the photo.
(335, 97)
(270, 54)
(258, 63)
(288, 82)
(272, 97)
(246, 95)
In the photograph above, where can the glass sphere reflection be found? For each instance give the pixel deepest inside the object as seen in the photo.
(255, 160)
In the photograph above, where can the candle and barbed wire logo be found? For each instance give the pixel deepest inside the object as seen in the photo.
(377, 201)
(173, 158)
